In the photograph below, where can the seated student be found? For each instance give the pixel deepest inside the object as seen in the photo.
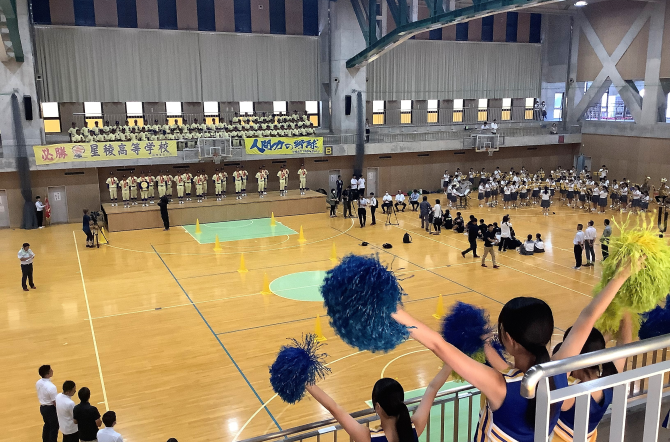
(400, 201)
(448, 221)
(539, 244)
(528, 247)
(459, 224)
(414, 200)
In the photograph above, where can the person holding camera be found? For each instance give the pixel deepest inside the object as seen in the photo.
(87, 223)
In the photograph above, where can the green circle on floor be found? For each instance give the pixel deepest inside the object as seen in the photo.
(301, 286)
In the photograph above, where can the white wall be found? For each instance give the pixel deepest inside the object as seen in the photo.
(19, 77)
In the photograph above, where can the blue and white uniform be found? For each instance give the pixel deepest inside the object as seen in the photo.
(378, 435)
(508, 423)
(566, 422)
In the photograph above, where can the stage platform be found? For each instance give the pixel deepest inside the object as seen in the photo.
(210, 210)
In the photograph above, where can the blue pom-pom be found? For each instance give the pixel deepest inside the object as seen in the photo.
(464, 327)
(360, 295)
(297, 365)
(498, 347)
(656, 322)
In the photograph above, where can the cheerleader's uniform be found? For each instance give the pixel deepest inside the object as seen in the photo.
(378, 435)
(508, 423)
(564, 430)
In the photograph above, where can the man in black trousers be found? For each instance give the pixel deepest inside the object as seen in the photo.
(163, 203)
(473, 230)
(46, 394)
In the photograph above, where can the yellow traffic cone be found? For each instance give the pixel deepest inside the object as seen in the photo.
(243, 266)
(333, 253)
(102, 238)
(197, 226)
(317, 330)
(439, 311)
(217, 244)
(266, 285)
(273, 222)
(301, 238)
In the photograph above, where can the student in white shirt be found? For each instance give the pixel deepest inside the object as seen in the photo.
(539, 244)
(387, 202)
(46, 394)
(64, 407)
(528, 247)
(437, 218)
(26, 257)
(39, 207)
(589, 244)
(505, 233)
(494, 127)
(361, 186)
(578, 243)
(108, 434)
(362, 210)
(354, 187)
(373, 208)
(400, 201)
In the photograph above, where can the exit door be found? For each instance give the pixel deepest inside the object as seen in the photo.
(373, 173)
(332, 179)
(58, 203)
(4, 210)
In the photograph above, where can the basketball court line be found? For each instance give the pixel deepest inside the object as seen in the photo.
(266, 267)
(250, 231)
(239, 369)
(90, 323)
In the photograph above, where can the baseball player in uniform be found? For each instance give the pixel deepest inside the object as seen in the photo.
(188, 179)
(204, 184)
(180, 187)
(152, 187)
(161, 185)
(302, 173)
(237, 175)
(260, 177)
(144, 189)
(132, 183)
(112, 185)
(245, 174)
(266, 173)
(217, 184)
(283, 177)
(198, 187)
(125, 191)
(168, 185)
(224, 182)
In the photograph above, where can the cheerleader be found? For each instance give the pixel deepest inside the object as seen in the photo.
(602, 200)
(600, 400)
(570, 194)
(545, 196)
(481, 193)
(636, 195)
(388, 401)
(525, 328)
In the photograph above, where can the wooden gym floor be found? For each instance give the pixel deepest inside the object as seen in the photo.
(168, 334)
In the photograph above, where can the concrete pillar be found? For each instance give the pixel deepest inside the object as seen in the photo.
(653, 91)
(346, 41)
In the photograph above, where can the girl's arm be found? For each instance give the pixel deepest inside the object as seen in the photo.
(494, 358)
(358, 432)
(422, 413)
(573, 344)
(625, 336)
(485, 378)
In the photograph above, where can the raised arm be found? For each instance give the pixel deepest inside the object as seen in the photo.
(573, 344)
(494, 358)
(358, 432)
(625, 336)
(422, 413)
(485, 378)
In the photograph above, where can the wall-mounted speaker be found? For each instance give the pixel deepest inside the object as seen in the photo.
(347, 105)
(28, 107)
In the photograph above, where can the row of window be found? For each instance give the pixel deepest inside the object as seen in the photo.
(173, 109)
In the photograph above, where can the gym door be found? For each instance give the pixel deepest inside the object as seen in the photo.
(332, 179)
(58, 203)
(371, 184)
(4, 210)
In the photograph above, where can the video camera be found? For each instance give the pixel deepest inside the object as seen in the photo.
(94, 217)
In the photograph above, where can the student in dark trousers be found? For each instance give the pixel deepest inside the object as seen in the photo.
(424, 213)
(46, 394)
(26, 256)
(373, 207)
(605, 239)
(163, 203)
(87, 416)
(339, 184)
(347, 197)
(362, 210)
(578, 243)
(473, 232)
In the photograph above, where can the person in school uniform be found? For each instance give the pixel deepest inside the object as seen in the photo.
(188, 180)
(528, 247)
(266, 173)
(636, 195)
(169, 191)
(144, 189)
(64, 411)
(400, 201)
(589, 244)
(125, 191)
(46, 394)
(216, 178)
(204, 184)
(108, 434)
(260, 178)
(179, 179)
(339, 184)
(362, 210)
(578, 243)
(283, 178)
(414, 200)
(87, 417)
(302, 173)
(161, 184)
(198, 186)
(354, 187)
(602, 200)
(480, 194)
(237, 176)
(374, 204)
(132, 185)
(245, 175)
(112, 185)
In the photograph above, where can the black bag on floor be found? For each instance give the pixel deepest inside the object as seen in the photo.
(406, 238)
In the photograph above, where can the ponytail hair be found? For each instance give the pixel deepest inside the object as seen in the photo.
(530, 322)
(390, 396)
(595, 342)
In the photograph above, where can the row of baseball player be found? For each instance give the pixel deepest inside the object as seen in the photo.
(146, 185)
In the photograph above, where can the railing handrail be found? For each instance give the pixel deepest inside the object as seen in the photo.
(548, 369)
(440, 397)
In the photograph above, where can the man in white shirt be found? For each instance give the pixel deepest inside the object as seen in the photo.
(589, 244)
(494, 126)
(578, 243)
(373, 207)
(46, 394)
(26, 257)
(400, 201)
(354, 187)
(108, 434)
(387, 202)
(39, 206)
(361, 186)
(64, 408)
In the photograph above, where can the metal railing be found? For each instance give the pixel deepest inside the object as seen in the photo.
(454, 413)
(650, 380)
(466, 115)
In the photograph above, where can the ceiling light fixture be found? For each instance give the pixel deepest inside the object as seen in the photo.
(581, 3)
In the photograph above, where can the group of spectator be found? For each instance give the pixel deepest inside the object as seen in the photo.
(585, 240)
(294, 125)
(77, 422)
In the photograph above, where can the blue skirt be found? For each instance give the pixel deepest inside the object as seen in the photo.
(487, 194)
(636, 202)
(523, 195)
(582, 197)
(514, 196)
(624, 199)
(602, 202)
(571, 194)
(536, 193)
(595, 198)
(480, 196)
(545, 204)
(507, 197)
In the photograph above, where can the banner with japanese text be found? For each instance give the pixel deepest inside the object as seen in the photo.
(113, 150)
(289, 146)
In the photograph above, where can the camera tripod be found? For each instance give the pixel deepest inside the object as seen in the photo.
(662, 215)
(391, 210)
